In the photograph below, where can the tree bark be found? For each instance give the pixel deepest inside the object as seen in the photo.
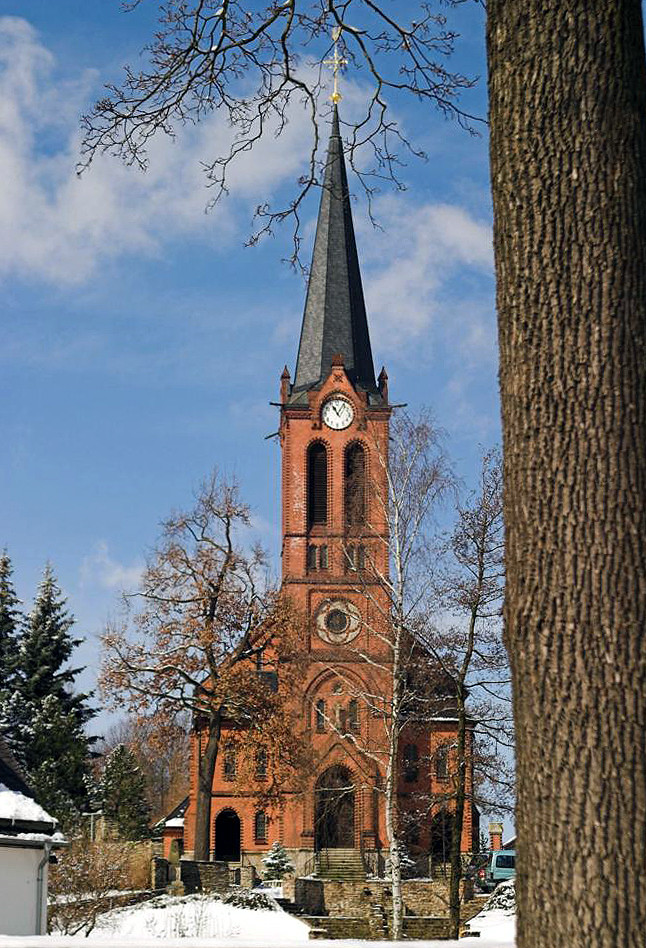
(206, 769)
(568, 156)
(393, 827)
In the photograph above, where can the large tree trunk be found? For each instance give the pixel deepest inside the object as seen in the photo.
(568, 151)
(206, 769)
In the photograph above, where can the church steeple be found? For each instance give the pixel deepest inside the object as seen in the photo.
(335, 320)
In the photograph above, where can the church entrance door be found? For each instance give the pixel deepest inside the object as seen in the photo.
(334, 810)
(227, 837)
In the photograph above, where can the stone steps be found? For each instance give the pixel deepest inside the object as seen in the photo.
(326, 926)
(292, 908)
(342, 864)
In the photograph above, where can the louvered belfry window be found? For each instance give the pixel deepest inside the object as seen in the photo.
(317, 484)
(355, 485)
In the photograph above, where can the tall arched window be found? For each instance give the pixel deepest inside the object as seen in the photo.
(442, 762)
(260, 826)
(320, 715)
(411, 763)
(229, 763)
(355, 485)
(261, 762)
(316, 484)
(353, 715)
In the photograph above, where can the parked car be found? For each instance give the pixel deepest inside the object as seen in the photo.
(500, 865)
(477, 863)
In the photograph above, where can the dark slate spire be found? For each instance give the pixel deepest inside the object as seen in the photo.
(335, 314)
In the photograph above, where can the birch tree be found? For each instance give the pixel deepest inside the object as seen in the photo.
(191, 637)
(470, 653)
(440, 628)
(416, 476)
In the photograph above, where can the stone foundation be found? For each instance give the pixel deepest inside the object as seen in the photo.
(204, 876)
(328, 897)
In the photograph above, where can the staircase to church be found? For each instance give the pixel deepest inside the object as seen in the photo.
(343, 864)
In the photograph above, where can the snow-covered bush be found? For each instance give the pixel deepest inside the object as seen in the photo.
(406, 862)
(277, 863)
(260, 901)
(504, 897)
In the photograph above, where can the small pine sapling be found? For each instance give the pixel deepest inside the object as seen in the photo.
(277, 863)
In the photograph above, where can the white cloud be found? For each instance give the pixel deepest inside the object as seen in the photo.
(59, 227)
(411, 264)
(100, 569)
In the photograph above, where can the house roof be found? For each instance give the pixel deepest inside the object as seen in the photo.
(334, 321)
(22, 818)
(176, 814)
(11, 774)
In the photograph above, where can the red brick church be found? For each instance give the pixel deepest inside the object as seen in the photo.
(334, 430)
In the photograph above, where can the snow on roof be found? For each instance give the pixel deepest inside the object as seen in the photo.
(27, 838)
(177, 823)
(18, 808)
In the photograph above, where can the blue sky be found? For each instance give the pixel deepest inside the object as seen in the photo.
(142, 342)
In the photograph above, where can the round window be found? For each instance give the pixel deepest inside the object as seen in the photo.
(336, 621)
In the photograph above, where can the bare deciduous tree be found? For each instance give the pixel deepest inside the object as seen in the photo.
(411, 476)
(470, 652)
(162, 747)
(432, 666)
(192, 635)
(85, 879)
(254, 62)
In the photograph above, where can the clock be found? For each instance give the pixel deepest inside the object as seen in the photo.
(338, 621)
(337, 413)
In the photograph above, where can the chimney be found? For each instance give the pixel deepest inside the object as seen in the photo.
(495, 836)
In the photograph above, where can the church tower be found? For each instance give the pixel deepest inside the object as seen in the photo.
(334, 438)
(334, 427)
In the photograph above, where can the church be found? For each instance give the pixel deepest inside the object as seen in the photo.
(334, 436)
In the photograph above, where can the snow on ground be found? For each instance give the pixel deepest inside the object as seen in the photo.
(205, 922)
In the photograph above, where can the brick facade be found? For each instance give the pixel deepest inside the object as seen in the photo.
(338, 673)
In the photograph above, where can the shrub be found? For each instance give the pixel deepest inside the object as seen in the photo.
(84, 881)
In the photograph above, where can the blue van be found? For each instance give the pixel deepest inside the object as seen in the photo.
(500, 866)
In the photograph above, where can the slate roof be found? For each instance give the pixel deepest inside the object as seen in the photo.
(335, 314)
(11, 774)
(176, 813)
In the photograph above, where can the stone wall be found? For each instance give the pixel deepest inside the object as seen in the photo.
(422, 897)
(204, 876)
(343, 927)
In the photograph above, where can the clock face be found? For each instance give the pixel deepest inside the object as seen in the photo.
(337, 413)
(338, 621)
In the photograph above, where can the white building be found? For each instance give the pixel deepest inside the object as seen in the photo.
(27, 836)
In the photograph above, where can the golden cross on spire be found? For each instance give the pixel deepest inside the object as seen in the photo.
(336, 64)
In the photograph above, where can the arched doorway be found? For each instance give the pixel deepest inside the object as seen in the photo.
(441, 837)
(227, 836)
(334, 810)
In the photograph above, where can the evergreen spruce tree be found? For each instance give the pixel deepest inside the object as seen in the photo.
(277, 862)
(46, 719)
(121, 794)
(10, 622)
